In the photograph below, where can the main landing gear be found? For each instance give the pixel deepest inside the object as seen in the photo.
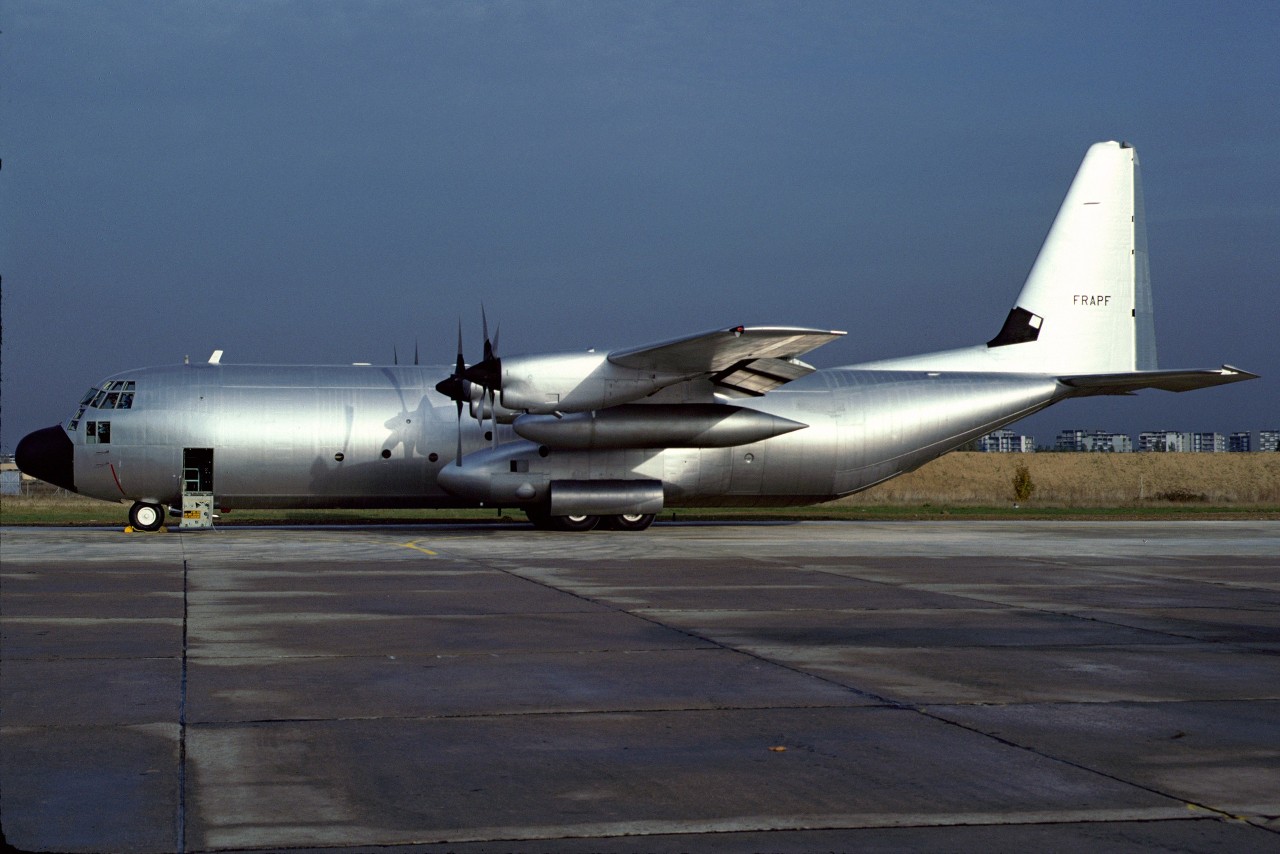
(624, 522)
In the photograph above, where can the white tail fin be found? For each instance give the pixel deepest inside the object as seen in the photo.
(1086, 305)
(1087, 300)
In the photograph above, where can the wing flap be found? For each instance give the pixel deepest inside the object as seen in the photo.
(755, 377)
(721, 349)
(1127, 383)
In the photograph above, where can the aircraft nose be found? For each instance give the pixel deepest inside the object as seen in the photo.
(49, 455)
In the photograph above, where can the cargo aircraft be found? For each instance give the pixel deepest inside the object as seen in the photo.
(729, 417)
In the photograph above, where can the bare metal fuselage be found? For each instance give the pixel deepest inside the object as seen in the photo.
(371, 436)
(729, 416)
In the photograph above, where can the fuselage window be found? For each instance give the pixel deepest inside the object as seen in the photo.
(75, 421)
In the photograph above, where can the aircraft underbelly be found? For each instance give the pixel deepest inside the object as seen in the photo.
(872, 426)
(894, 425)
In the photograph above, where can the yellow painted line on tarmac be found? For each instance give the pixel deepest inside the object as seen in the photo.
(414, 545)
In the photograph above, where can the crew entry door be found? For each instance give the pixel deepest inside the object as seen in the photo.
(197, 488)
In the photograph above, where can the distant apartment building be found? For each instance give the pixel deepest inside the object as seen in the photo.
(1208, 443)
(1269, 440)
(1096, 441)
(1240, 443)
(1164, 441)
(1006, 442)
(1070, 440)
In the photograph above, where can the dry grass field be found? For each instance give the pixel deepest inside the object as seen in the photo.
(1086, 480)
(962, 484)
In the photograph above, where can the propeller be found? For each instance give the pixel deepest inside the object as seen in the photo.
(487, 374)
(455, 387)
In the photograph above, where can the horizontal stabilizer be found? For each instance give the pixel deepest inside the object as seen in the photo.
(1167, 380)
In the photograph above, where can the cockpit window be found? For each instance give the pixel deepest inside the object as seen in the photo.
(116, 394)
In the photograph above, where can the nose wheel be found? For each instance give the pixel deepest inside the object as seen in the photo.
(146, 517)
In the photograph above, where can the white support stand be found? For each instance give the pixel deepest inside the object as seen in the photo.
(197, 510)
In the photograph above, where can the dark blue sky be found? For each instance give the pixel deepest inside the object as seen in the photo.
(320, 182)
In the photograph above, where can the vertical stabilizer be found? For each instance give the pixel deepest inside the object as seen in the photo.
(1086, 306)
(1089, 291)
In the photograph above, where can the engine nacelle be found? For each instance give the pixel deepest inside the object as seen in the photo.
(574, 382)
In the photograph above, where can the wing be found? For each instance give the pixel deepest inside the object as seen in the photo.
(750, 360)
(742, 360)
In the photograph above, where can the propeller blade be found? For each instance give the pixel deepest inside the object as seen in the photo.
(484, 327)
(457, 459)
(493, 416)
(454, 386)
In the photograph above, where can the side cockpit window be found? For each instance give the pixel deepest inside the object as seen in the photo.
(97, 432)
(115, 394)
